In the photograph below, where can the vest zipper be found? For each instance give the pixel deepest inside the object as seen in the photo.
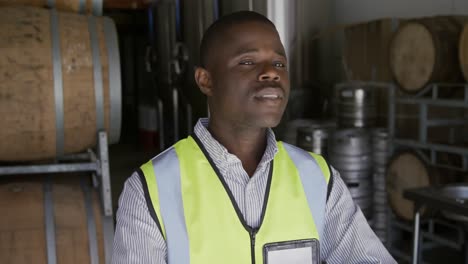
(253, 233)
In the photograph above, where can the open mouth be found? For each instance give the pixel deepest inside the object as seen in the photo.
(269, 97)
(269, 94)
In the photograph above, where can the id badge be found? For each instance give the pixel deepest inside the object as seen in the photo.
(292, 252)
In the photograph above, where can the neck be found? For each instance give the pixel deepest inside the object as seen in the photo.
(248, 144)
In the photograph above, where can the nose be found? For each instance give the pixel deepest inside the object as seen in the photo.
(269, 73)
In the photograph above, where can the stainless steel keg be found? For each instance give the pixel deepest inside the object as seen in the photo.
(356, 106)
(314, 137)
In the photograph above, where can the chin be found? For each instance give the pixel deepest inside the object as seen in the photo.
(270, 121)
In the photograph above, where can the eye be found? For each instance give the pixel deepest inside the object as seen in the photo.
(246, 62)
(279, 64)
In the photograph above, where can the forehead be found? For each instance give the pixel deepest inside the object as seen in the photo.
(251, 36)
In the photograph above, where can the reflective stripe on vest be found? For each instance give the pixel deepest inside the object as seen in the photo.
(200, 220)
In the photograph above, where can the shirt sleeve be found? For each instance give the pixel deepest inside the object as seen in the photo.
(137, 238)
(348, 237)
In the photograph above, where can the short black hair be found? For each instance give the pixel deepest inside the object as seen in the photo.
(216, 30)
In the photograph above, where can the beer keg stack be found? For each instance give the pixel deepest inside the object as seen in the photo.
(380, 152)
(359, 152)
(350, 144)
(351, 154)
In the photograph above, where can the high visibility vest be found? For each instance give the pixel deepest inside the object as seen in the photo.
(200, 220)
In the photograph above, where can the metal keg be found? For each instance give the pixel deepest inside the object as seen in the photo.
(380, 169)
(379, 225)
(379, 159)
(380, 139)
(380, 147)
(382, 235)
(380, 201)
(379, 182)
(350, 153)
(360, 189)
(363, 203)
(350, 150)
(356, 106)
(352, 163)
(314, 138)
(350, 142)
(361, 192)
(380, 155)
(289, 135)
(353, 176)
(366, 206)
(380, 221)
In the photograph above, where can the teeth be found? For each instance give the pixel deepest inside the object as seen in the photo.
(270, 96)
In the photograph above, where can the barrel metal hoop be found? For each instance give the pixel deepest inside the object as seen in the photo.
(97, 7)
(58, 83)
(82, 6)
(97, 67)
(92, 237)
(115, 96)
(49, 222)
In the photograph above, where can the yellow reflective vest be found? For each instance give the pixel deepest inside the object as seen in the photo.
(200, 220)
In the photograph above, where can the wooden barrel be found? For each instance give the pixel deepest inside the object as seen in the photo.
(65, 208)
(76, 6)
(59, 83)
(463, 52)
(408, 169)
(425, 51)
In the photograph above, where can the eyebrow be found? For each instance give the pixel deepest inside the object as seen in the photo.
(253, 50)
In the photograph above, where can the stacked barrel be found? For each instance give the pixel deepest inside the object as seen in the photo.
(59, 86)
(427, 50)
(59, 82)
(74, 6)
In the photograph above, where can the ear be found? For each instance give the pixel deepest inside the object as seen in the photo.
(204, 82)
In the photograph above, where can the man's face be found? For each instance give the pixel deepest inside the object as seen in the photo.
(249, 77)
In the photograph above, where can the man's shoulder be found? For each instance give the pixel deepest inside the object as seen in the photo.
(306, 157)
(170, 153)
(298, 151)
(290, 146)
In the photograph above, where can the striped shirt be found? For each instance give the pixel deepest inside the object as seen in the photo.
(347, 236)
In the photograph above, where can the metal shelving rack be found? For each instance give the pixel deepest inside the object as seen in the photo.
(426, 98)
(429, 97)
(95, 162)
(430, 233)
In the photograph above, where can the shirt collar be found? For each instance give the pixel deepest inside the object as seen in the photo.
(220, 154)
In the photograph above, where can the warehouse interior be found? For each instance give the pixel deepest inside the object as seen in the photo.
(91, 90)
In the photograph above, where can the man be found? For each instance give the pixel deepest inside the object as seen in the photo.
(230, 193)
